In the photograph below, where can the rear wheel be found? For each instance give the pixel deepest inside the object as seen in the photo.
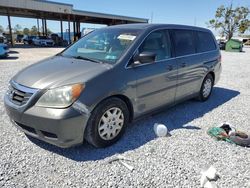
(107, 122)
(206, 88)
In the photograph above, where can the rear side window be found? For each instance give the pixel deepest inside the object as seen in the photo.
(184, 42)
(205, 42)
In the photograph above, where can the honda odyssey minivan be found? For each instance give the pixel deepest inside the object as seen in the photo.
(95, 87)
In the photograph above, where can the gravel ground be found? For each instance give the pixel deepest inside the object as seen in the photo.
(174, 161)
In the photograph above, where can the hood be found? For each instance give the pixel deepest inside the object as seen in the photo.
(58, 71)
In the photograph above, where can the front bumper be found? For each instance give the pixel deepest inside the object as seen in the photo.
(217, 71)
(60, 127)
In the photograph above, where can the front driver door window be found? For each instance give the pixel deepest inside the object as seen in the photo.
(158, 43)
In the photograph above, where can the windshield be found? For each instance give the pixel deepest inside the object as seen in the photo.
(103, 45)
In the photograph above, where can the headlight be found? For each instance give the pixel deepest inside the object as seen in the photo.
(61, 97)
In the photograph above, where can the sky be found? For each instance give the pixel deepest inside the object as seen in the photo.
(188, 12)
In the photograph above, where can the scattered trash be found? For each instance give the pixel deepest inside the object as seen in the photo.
(248, 185)
(160, 130)
(131, 168)
(208, 178)
(121, 160)
(189, 126)
(219, 134)
(211, 184)
(230, 134)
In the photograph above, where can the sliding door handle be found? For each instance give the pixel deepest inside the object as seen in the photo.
(170, 67)
(183, 65)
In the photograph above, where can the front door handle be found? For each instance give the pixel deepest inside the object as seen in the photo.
(183, 65)
(170, 67)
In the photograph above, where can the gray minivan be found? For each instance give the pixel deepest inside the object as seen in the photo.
(96, 86)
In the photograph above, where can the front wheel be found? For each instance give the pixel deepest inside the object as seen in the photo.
(107, 122)
(206, 88)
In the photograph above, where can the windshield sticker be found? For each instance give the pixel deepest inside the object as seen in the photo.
(81, 50)
(111, 57)
(126, 37)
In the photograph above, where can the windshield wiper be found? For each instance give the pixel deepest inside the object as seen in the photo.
(88, 59)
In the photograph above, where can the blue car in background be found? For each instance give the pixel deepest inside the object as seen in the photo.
(4, 50)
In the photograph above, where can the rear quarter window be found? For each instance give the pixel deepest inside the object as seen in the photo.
(184, 42)
(205, 42)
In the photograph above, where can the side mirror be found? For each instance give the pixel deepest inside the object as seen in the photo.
(144, 57)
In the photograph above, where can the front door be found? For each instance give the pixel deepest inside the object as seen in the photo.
(156, 81)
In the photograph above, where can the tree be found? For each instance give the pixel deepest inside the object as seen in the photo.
(1, 29)
(49, 31)
(7, 30)
(18, 29)
(33, 30)
(230, 20)
(26, 31)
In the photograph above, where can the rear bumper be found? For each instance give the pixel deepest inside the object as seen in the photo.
(60, 127)
(217, 71)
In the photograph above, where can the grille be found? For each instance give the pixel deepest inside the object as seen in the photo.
(49, 135)
(19, 96)
(29, 129)
(34, 131)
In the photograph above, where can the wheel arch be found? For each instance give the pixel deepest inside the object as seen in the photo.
(124, 99)
(213, 75)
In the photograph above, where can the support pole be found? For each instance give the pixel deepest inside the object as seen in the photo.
(69, 28)
(10, 29)
(74, 30)
(76, 27)
(61, 23)
(38, 27)
(43, 26)
(78, 30)
(79, 27)
(46, 29)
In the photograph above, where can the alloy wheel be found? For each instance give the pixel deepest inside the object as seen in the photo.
(207, 88)
(111, 123)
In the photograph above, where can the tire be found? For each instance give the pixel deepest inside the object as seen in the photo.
(104, 128)
(206, 88)
(241, 139)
